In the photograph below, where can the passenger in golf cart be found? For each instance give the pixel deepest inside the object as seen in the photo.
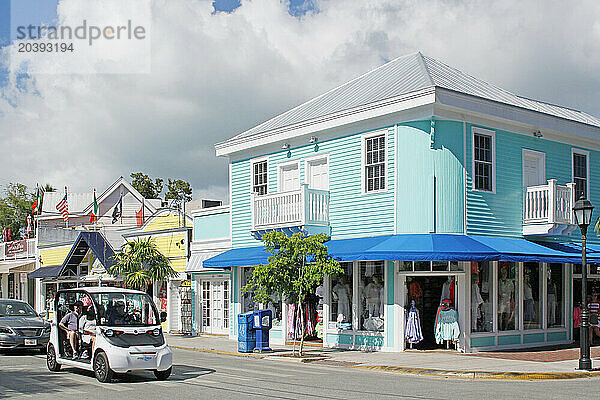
(70, 324)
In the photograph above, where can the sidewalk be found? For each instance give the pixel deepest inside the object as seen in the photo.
(506, 365)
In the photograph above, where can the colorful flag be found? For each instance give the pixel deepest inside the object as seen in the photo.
(139, 215)
(63, 207)
(118, 210)
(94, 214)
(36, 207)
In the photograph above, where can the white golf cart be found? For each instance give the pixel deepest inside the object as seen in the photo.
(128, 334)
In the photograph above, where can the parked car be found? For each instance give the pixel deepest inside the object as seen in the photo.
(21, 327)
(126, 330)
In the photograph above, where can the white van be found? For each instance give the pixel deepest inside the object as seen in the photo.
(122, 333)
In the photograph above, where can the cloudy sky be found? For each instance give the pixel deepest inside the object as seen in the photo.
(219, 68)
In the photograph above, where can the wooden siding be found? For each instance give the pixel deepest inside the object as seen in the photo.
(351, 213)
(430, 180)
(165, 221)
(54, 255)
(501, 213)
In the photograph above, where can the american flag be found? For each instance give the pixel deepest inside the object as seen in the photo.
(63, 208)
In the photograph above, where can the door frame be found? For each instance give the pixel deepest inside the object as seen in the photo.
(307, 168)
(541, 156)
(282, 165)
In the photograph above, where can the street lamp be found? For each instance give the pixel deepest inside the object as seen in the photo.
(583, 216)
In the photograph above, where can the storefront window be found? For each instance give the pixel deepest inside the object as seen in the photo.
(482, 314)
(555, 294)
(532, 291)
(341, 297)
(508, 296)
(371, 295)
(248, 303)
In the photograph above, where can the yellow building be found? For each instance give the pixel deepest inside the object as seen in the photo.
(172, 233)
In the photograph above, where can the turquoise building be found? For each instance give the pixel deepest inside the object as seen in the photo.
(432, 185)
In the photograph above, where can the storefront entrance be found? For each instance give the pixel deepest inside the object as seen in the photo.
(214, 306)
(428, 292)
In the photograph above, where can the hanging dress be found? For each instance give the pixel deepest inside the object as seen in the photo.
(413, 325)
(446, 325)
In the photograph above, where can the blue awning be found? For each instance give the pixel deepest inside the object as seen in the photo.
(417, 247)
(45, 272)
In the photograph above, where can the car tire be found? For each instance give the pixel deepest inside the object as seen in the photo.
(102, 369)
(51, 362)
(162, 375)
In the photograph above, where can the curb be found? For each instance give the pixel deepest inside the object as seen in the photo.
(481, 374)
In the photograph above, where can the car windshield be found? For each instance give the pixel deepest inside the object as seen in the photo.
(16, 309)
(125, 309)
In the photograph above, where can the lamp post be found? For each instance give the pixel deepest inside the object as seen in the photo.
(583, 216)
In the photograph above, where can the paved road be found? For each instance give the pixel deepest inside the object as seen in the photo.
(212, 376)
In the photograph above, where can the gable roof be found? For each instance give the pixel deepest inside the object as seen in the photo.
(398, 78)
(94, 241)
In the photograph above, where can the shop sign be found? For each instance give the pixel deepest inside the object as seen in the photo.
(16, 247)
(186, 284)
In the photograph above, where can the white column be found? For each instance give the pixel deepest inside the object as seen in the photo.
(551, 200)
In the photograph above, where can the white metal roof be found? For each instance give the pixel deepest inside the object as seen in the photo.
(399, 77)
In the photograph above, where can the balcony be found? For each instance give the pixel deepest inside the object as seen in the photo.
(298, 210)
(548, 209)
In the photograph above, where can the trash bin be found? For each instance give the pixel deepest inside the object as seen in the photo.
(263, 321)
(246, 333)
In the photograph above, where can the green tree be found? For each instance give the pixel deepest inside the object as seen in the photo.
(146, 186)
(178, 189)
(14, 208)
(140, 263)
(48, 188)
(296, 267)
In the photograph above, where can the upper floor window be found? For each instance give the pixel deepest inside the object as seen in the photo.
(374, 163)
(259, 177)
(483, 160)
(580, 173)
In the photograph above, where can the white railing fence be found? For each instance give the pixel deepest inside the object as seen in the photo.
(298, 207)
(550, 203)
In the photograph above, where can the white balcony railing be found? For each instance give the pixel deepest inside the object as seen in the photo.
(299, 207)
(17, 250)
(548, 206)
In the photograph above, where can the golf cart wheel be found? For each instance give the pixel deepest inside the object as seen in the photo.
(102, 369)
(51, 362)
(162, 375)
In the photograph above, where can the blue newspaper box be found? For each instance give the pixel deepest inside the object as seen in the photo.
(246, 333)
(263, 321)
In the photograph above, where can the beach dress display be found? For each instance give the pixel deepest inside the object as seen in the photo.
(413, 333)
(446, 325)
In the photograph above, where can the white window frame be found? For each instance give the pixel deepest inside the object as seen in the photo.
(487, 132)
(279, 175)
(252, 162)
(363, 149)
(307, 162)
(587, 168)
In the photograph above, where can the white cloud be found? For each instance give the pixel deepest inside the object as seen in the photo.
(214, 75)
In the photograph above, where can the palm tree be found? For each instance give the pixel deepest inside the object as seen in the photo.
(140, 263)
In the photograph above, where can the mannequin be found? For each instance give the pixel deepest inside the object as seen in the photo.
(506, 290)
(320, 293)
(446, 324)
(551, 301)
(528, 303)
(448, 290)
(476, 302)
(342, 293)
(373, 297)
